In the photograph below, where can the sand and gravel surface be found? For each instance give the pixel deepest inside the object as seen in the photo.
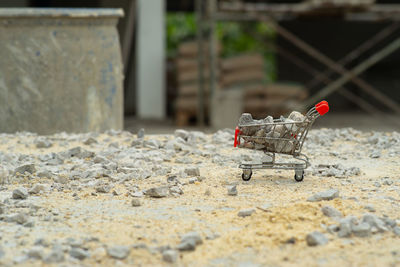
(122, 199)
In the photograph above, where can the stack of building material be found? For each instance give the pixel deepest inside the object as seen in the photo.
(237, 74)
(245, 73)
(242, 71)
(187, 81)
(273, 99)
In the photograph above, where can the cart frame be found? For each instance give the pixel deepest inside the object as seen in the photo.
(289, 140)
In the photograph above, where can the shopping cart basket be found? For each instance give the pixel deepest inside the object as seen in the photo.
(282, 136)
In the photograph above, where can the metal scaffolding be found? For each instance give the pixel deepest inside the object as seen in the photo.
(214, 11)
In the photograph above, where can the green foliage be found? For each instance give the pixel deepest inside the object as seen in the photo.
(180, 27)
(235, 37)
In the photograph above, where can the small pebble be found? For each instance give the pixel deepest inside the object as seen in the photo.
(182, 134)
(136, 202)
(118, 252)
(193, 180)
(331, 212)
(20, 193)
(361, 230)
(246, 212)
(396, 230)
(79, 253)
(29, 168)
(232, 191)
(158, 192)
(90, 141)
(324, 195)
(103, 188)
(55, 256)
(37, 188)
(170, 255)
(189, 241)
(370, 208)
(42, 142)
(19, 218)
(140, 133)
(36, 253)
(192, 171)
(316, 239)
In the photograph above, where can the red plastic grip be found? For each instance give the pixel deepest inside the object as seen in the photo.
(322, 103)
(236, 141)
(322, 108)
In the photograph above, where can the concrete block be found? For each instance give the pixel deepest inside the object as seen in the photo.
(60, 70)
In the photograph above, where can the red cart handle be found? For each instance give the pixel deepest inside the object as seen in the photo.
(322, 107)
(236, 141)
(322, 103)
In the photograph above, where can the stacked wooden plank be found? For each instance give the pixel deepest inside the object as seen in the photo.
(237, 74)
(242, 70)
(273, 99)
(187, 81)
(245, 73)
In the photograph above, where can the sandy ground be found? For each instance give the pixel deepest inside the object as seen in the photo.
(73, 208)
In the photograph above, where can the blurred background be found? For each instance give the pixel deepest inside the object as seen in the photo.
(200, 64)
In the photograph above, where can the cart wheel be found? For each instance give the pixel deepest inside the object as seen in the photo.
(299, 175)
(246, 175)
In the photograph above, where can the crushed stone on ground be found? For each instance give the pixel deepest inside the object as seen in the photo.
(118, 198)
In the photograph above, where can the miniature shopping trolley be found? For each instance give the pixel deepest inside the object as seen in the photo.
(280, 136)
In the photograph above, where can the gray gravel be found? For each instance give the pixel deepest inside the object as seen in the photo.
(192, 171)
(374, 221)
(324, 195)
(361, 230)
(79, 253)
(118, 252)
(38, 188)
(182, 134)
(232, 191)
(246, 212)
(2, 253)
(157, 192)
(103, 176)
(136, 202)
(316, 239)
(29, 168)
(56, 255)
(140, 133)
(103, 188)
(20, 193)
(345, 226)
(331, 212)
(42, 142)
(36, 253)
(19, 218)
(370, 208)
(396, 230)
(90, 141)
(170, 255)
(189, 241)
(335, 170)
(365, 226)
